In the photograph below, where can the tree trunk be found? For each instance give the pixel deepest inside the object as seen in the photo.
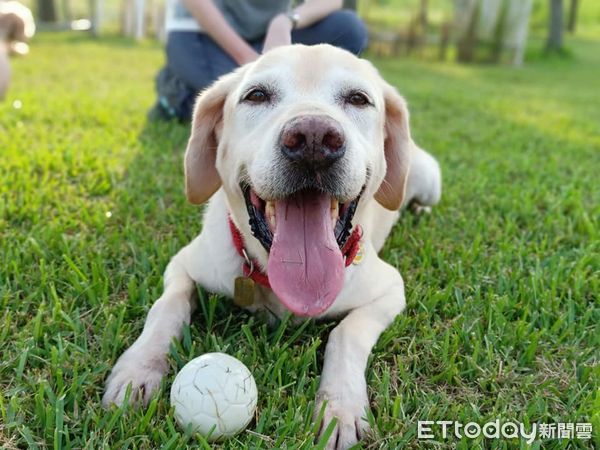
(46, 10)
(573, 15)
(555, 32)
(423, 16)
(468, 38)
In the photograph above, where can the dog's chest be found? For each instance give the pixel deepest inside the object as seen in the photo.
(266, 301)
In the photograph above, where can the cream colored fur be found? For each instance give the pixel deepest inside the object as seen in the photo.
(231, 140)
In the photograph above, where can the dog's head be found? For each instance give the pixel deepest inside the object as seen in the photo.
(298, 139)
(16, 26)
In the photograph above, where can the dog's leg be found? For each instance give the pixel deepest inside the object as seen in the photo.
(424, 185)
(209, 260)
(4, 69)
(343, 385)
(143, 365)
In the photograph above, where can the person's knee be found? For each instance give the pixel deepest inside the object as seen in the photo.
(351, 31)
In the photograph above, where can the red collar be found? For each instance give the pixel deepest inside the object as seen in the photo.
(252, 269)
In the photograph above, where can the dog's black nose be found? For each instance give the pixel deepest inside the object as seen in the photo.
(314, 140)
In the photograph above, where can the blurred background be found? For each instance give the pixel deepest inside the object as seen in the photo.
(465, 30)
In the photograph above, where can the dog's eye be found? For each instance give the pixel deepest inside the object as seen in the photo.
(357, 99)
(257, 96)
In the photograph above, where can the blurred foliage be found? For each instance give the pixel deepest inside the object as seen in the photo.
(388, 13)
(398, 13)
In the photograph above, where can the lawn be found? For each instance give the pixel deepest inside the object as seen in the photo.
(502, 317)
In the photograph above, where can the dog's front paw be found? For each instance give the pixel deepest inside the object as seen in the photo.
(350, 414)
(140, 370)
(419, 210)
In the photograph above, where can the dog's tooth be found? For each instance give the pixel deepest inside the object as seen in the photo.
(335, 205)
(270, 213)
(270, 208)
(335, 209)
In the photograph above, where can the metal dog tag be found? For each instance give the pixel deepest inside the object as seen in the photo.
(243, 293)
(360, 254)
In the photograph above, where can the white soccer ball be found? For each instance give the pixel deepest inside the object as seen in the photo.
(216, 394)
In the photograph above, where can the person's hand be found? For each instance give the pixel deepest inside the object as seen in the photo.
(246, 55)
(279, 32)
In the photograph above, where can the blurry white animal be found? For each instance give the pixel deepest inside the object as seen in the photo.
(16, 26)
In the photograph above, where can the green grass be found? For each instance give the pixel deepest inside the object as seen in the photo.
(503, 314)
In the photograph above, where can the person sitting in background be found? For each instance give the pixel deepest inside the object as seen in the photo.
(209, 38)
(16, 27)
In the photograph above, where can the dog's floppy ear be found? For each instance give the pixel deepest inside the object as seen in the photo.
(201, 177)
(397, 147)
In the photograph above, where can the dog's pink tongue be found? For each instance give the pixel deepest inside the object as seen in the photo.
(306, 267)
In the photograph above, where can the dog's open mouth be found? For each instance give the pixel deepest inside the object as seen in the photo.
(304, 234)
(263, 216)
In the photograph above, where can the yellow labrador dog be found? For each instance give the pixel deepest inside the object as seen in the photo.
(295, 153)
